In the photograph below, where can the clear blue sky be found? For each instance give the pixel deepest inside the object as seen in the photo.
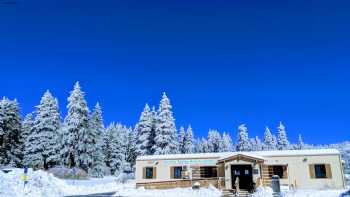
(221, 63)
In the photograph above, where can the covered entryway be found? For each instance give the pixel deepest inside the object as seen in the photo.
(243, 166)
(244, 175)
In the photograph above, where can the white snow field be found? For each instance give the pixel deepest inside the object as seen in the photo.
(43, 184)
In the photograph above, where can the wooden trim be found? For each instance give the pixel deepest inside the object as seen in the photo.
(154, 173)
(144, 172)
(312, 171)
(240, 156)
(172, 172)
(328, 171)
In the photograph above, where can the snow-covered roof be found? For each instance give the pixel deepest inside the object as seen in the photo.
(258, 154)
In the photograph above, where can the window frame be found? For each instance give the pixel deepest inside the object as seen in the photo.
(284, 171)
(146, 172)
(209, 173)
(174, 168)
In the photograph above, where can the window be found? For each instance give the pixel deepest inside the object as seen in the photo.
(208, 172)
(177, 172)
(279, 170)
(149, 173)
(320, 171)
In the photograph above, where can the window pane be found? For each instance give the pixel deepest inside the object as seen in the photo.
(320, 171)
(149, 173)
(208, 172)
(278, 170)
(177, 172)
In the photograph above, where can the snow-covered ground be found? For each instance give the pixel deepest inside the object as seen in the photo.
(177, 192)
(43, 184)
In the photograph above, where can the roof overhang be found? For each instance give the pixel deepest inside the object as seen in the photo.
(242, 157)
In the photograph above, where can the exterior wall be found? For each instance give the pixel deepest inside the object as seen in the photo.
(163, 167)
(299, 173)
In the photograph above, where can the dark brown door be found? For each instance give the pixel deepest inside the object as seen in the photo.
(244, 173)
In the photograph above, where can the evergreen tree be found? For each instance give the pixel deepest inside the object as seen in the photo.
(274, 142)
(256, 144)
(243, 143)
(153, 131)
(10, 132)
(182, 140)
(268, 140)
(300, 144)
(203, 146)
(165, 139)
(227, 145)
(144, 143)
(97, 130)
(131, 153)
(76, 139)
(197, 146)
(27, 129)
(214, 141)
(189, 142)
(115, 148)
(282, 141)
(43, 143)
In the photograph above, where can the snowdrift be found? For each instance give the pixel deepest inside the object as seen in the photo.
(40, 184)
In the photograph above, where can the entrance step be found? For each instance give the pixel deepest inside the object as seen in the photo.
(231, 193)
(243, 193)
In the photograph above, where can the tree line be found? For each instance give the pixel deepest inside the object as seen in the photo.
(43, 140)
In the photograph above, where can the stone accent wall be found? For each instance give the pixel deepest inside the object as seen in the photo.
(178, 183)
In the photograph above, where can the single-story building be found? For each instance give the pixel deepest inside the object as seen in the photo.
(305, 169)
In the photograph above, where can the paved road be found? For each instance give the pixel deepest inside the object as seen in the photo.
(95, 195)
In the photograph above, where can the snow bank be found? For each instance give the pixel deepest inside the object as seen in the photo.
(178, 192)
(40, 184)
(95, 185)
(267, 192)
(43, 184)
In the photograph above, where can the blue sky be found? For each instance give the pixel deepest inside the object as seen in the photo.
(222, 63)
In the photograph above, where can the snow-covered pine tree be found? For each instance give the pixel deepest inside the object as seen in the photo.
(144, 143)
(182, 139)
(203, 146)
(227, 145)
(27, 128)
(76, 139)
(165, 137)
(243, 143)
(10, 132)
(268, 140)
(257, 145)
(153, 130)
(282, 141)
(189, 142)
(97, 165)
(300, 144)
(43, 143)
(115, 148)
(274, 142)
(214, 141)
(196, 145)
(131, 153)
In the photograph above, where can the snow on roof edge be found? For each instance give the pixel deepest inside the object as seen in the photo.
(252, 153)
